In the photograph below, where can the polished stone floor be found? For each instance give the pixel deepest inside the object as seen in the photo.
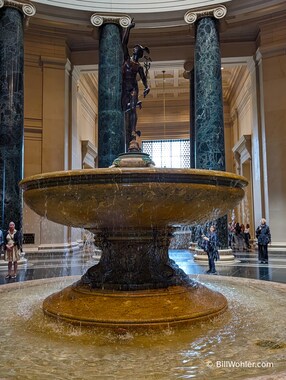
(56, 265)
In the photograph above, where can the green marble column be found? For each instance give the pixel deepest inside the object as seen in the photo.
(11, 115)
(13, 16)
(111, 132)
(210, 152)
(192, 121)
(209, 124)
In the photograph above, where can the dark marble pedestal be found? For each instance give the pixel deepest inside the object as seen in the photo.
(134, 259)
(134, 286)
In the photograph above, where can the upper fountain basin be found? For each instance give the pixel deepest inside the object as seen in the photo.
(120, 198)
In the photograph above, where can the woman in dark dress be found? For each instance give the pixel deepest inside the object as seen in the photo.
(264, 238)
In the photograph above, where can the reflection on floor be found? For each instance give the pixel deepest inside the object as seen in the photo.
(245, 265)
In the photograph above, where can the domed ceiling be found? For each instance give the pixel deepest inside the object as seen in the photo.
(133, 6)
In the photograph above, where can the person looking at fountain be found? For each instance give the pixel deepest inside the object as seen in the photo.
(238, 237)
(247, 236)
(210, 246)
(12, 247)
(264, 238)
(130, 91)
(1, 242)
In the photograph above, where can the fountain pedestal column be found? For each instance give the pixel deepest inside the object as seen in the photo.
(122, 268)
(135, 285)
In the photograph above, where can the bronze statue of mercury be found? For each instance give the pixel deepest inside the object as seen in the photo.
(130, 90)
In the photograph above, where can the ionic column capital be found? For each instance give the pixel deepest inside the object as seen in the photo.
(98, 19)
(217, 12)
(27, 8)
(189, 67)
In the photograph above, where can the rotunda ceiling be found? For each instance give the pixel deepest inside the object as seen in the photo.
(134, 6)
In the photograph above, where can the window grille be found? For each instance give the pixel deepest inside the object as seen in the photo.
(168, 153)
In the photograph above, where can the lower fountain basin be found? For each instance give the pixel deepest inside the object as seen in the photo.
(245, 342)
(157, 308)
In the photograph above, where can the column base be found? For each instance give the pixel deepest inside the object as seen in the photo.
(192, 246)
(56, 248)
(276, 247)
(226, 255)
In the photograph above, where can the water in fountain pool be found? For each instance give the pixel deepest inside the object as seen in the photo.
(248, 336)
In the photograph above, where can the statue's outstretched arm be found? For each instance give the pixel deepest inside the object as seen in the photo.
(125, 39)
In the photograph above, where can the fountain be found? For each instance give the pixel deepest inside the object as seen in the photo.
(135, 286)
(131, 208)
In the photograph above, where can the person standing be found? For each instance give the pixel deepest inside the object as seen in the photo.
(210, 246)
(247, 236)
(264, 238)
(12, 248)
(1, 242)
(230, 235)
(238, 237)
